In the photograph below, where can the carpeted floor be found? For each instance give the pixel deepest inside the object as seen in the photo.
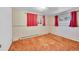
(47, 42)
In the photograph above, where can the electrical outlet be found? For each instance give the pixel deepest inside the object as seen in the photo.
(0, 45)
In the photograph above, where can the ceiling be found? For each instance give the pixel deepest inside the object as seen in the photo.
(47, 10)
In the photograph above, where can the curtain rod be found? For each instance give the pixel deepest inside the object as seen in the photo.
(65, 12)
(35, 13)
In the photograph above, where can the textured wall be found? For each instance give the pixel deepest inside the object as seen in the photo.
(65, 31)
(5, 28)
(20, 28)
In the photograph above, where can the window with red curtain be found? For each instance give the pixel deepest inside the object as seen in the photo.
(56, 20)
(31, 19)
(44, 23)
(73, 21)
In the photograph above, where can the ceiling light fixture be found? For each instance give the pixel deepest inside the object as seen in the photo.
(43, 7)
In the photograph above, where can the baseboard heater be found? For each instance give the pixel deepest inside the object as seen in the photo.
(28, 36)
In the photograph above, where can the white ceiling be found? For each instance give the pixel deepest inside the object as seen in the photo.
(47, 10)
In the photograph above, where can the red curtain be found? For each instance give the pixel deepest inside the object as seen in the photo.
(73, 22)
(56, 20)
(44, 23)
(31, 19)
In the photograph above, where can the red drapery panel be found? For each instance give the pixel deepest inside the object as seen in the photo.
(73, 22)
(44, 23)
(56, 20)
(31, 19)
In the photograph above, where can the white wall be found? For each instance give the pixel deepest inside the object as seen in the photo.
(65, 31)
(5, 28)
(78, 18)
(20, 28)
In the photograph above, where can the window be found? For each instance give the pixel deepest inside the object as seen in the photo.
(31, 19)
(64, 19)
